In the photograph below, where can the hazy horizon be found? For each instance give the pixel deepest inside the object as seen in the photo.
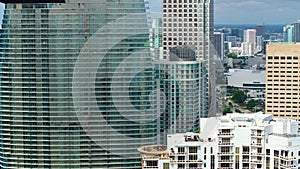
(237, 12)
(263, 12)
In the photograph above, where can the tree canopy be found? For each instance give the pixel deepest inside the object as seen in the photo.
(239, 97)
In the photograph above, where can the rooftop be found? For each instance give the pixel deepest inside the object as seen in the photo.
(153, 150)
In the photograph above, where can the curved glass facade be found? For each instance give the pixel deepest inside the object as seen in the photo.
(76, 87)
(182, 86)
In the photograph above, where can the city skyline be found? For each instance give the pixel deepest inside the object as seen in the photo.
(285, 13)
(233, 11)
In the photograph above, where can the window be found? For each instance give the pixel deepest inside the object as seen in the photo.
(166, 165)
(180, 149)
(193, 150)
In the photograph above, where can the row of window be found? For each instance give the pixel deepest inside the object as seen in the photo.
(181, 6)
(282, 67)
(295, 76)
(289, 63)
(270, 111)
(283, 57)
(183, 10)
(185, 1)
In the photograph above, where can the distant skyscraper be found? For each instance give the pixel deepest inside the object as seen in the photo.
(260, 30)
(297, 31)
(182, 91)
(250, 35)
(282, 90)
(219, 44)
(288, 33)
(76, 83)
(231, 39)
(156, 37)
(249, 44)
(237, 32)
(259, 43)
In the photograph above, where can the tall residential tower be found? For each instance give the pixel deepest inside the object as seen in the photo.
(76, 86)
(182, 82)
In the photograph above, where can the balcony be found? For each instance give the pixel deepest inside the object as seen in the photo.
(257, 154)
(256, 144)
(190, 168)
(288, 158)
(225, 135)
(225, 153)
(257, 135)
(151, 167)
(245, 152)
(186, 161)
(226, 161)
(256, 161)
(245, 160)
(287, 165)
(177, 154)
(225, 144)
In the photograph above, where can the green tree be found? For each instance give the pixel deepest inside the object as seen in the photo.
(227, 110)
(238, 111)
(239, 97)
(252, 103)
(232, 55)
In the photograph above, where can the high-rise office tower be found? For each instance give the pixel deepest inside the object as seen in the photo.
(249, 44)
(232, 39)
(187, 22)
(237, 32)
(297, 31)
(288, 33)
(259, 43)
(219, 44)
(282, 83)
(156, 38)
(250, 35)
(76, 84)
(260, 30)
(182, 82)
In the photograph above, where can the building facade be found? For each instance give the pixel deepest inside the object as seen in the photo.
(182, 89)
(260, 30)
(156, 38)
(77, 77)
(188, 23)
(219, 44)
(191, 23)
(297, 31)
(249, 44)
(282, 80)
(288, 33)
(232, 141)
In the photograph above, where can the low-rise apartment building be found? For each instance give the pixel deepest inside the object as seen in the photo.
(234, 141)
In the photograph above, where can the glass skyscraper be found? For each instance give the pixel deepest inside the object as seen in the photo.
(76, 84)
(181, 82)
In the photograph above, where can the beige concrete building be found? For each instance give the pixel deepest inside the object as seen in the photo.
(283, 81)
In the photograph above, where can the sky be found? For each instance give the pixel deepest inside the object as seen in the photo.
(249, 11)
(244, 11)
